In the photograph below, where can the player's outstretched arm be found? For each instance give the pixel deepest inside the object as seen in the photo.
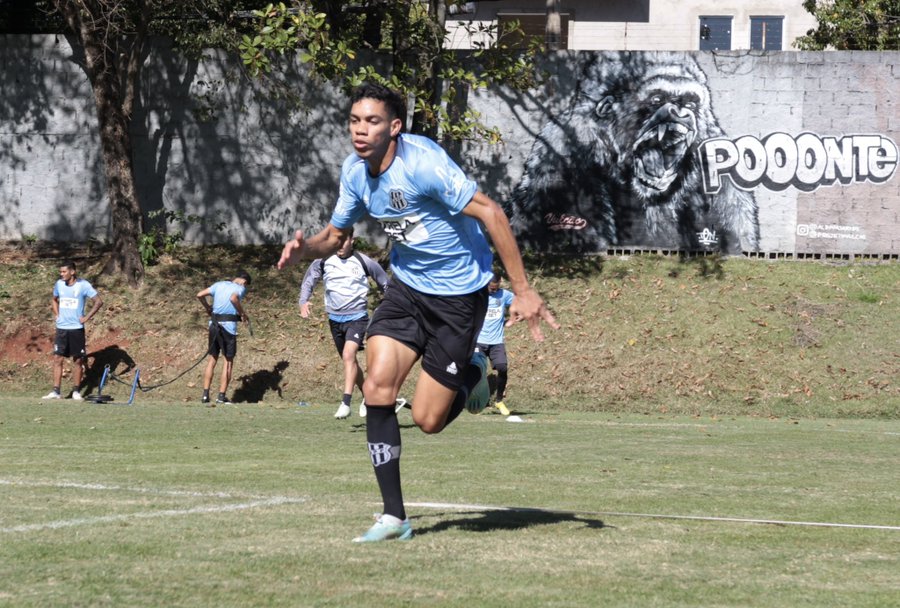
(321, 245)
(528, 305)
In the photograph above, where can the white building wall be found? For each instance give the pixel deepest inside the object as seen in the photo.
(670, 24)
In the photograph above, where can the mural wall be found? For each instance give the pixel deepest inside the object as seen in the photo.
(739, 152)
(736, 152)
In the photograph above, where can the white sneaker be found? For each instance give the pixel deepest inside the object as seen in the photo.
(342, 412)
(76, 396)
(52, 395)
(362, 409)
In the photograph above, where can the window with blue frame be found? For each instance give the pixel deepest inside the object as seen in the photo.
(715, 33)
(766, 33)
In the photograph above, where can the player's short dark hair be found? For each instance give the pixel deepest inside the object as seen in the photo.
(243, 274)
(496, 277)
(68, 264)
(393, 101)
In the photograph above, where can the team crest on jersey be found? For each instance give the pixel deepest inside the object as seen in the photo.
(398, 201)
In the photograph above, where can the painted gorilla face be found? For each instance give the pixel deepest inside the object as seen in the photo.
(658, 124)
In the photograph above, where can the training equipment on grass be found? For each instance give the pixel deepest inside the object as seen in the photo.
(100, 397)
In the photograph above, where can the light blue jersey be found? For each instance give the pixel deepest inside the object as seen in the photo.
(418, 201)
(71, 302)
(492, 332)
(221, 305)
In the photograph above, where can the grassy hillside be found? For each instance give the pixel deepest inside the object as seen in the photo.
(641, 334)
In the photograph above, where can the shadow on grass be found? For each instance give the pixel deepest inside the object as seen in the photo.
(112, 356)
(511, 518)
(253, 387)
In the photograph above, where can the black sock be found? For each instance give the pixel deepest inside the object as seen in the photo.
(501, 384)
(346, 399)
(383, 436)
(56, 390)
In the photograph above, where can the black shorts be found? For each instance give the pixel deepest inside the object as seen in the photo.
(440, 329)
(70, 343)
(354, 331)
(220, 341)
(496, 353)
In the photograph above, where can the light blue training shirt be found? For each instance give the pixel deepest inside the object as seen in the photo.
(71, 302)
(221, 292)
(492, 332)
(418, 201)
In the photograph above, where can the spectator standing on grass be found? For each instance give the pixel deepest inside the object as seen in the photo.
(224, 312)
(436, 300)
(346, 277)
(491, 340)
(69, 296)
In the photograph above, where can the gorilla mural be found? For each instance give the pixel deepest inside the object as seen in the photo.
(620, 166)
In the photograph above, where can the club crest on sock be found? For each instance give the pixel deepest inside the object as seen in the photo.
(382, 453)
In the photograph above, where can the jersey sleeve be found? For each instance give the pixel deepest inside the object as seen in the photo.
(310, 279)
(89, 290)
(350, 206)
(442, 180)
(508, 298)
(376, 272)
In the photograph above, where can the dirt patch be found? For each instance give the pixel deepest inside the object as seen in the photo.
(29, 344)
(26, 345)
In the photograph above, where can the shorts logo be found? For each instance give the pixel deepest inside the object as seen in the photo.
(398, 202)
(451, 369)
(382, 453)
(356, 335)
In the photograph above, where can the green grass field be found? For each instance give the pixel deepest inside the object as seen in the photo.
(174, 504)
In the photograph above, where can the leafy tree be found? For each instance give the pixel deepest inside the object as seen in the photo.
(109, 40)
(864, 25)
(437, 78)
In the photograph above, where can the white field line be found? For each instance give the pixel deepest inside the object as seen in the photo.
(102, 519)
(260, 502)
(742, 520)
(112, 488)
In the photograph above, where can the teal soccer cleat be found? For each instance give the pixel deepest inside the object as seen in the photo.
(386, 528)
(481, 393)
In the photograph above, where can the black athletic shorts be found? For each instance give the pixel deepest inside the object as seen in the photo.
(496, 353)
(220, 341)
(441, 329)
(70, 343)
(353, 331)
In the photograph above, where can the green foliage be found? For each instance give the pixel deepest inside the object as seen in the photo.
(438, 79)
(158, 240)
(864, 25)
(147, 247)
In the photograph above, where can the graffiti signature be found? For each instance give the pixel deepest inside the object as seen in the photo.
(562, 221)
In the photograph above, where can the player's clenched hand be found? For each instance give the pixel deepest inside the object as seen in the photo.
(290, 254)
(530, 307)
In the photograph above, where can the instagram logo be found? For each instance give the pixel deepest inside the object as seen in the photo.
(802, 229)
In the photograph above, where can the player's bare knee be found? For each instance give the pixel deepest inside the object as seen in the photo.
(430, 425)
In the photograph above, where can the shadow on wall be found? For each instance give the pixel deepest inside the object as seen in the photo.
(245, 166)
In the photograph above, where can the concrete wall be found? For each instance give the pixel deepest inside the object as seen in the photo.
(253, 171)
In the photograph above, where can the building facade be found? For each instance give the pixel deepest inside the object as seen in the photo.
(645, 25)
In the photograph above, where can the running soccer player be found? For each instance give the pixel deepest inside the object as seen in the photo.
(436, 300)
(491, 340)
(69, 295)
(346, 276)
(226, 310)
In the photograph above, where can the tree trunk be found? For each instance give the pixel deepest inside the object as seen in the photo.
(112, 85)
